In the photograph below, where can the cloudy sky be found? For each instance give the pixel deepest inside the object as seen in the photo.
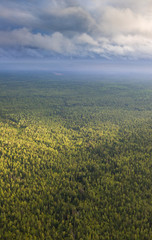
(76, 29)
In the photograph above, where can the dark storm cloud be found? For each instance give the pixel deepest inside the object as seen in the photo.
(73, 19)
(12, 16)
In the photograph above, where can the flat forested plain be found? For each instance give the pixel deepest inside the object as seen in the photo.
(75, 157)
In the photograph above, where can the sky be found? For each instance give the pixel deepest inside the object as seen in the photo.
(72, 30)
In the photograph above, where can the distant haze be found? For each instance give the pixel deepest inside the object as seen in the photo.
(92, 66)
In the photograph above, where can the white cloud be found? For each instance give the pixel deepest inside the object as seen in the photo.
(23, 37)
(141, 46)
(85, 39)
(116, 21)
(74, 27)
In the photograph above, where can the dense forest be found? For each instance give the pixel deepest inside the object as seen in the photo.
(75, 157)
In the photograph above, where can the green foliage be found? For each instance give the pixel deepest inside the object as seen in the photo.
(75, 158)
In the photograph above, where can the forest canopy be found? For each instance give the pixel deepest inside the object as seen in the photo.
(75, 157)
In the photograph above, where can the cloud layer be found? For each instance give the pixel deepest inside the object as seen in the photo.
(70, 28)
